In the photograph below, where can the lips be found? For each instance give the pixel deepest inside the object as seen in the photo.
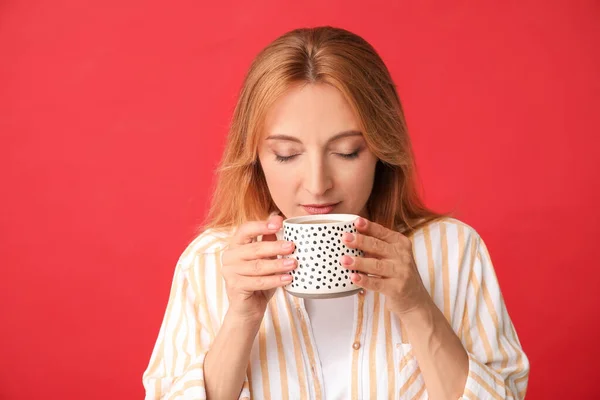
(319, 208)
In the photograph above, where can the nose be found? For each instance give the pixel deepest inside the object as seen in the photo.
(317, 179)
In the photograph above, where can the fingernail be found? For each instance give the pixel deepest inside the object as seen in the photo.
(347, 260)
(287, 245)
(271, 226)
(356, 277)
(360, 222)
(348, 237)
(289, 262)
(286, 278)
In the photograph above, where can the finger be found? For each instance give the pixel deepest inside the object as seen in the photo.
(256, 283)
(250, 230)
(258, 250)
(373, 229)
(262, 267)
(375, 266)
(277, 221)
(372, 245)
(373, 283)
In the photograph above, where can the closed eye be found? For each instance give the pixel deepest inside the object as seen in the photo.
(283, 159)
(349, 156)
(346, 156)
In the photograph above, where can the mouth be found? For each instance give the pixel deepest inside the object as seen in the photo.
(325, 208)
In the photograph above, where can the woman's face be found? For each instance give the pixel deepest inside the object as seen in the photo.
(313, 155)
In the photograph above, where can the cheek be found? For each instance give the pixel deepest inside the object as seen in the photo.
(357, 182)
(360, 173)
(279, 181)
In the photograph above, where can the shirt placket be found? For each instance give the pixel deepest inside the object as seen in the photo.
(358, 347)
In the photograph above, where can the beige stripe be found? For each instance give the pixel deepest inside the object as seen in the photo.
(403, 333)
(264, 363)
(187, 356)
(174, 291)
(497, 380)
(522, 392)
(430, 264)
(486, 342)
(520, 379)
(468, 339)
(280, 350)
(466, 331)
(186, 386)
(249, 374)
(445, 272)
(302, 382)
(404, 362)
(492, 312)
(470, 394)
(405, 359)
(172, 372)
(359, 322)
(196, 335)
(200, 300)
(420, 392)
(373, 348)
(461, 245)
(484, 385)
(157, 388)
(309, 348)
(158, 355)
(514, 344)
(461, 256)
(182, 378)
(410, 381)
(205, 246)
(520, 364)
(389, 348)
(219, 285)
(200, 250)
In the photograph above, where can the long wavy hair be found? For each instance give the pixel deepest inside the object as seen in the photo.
(344, 60)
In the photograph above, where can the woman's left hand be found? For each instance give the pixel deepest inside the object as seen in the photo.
(388, 255)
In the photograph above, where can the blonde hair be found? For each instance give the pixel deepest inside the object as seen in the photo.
(342, 59)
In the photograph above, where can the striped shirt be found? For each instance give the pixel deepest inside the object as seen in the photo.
(456, 269)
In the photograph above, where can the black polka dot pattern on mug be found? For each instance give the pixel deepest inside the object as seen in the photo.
(318, 251)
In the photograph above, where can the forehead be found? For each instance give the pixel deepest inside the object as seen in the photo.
(312, 110)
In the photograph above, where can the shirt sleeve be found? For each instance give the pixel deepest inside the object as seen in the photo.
(498, 367)
(176, 368)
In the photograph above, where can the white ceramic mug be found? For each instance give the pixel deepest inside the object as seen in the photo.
(318, 249)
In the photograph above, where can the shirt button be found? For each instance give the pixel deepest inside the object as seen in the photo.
(356, 345)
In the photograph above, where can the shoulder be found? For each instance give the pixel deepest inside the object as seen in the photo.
(450, 230)
(208, 242)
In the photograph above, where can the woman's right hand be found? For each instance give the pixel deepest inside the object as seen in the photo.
(251, 269)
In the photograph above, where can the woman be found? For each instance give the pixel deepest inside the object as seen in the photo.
(319, 128)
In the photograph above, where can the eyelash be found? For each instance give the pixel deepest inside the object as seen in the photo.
(350, 156)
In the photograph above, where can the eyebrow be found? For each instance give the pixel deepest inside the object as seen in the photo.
(332, 139)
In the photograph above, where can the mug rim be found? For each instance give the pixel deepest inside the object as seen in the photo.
(340, 219)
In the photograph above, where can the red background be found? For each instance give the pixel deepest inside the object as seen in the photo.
(113, 116)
